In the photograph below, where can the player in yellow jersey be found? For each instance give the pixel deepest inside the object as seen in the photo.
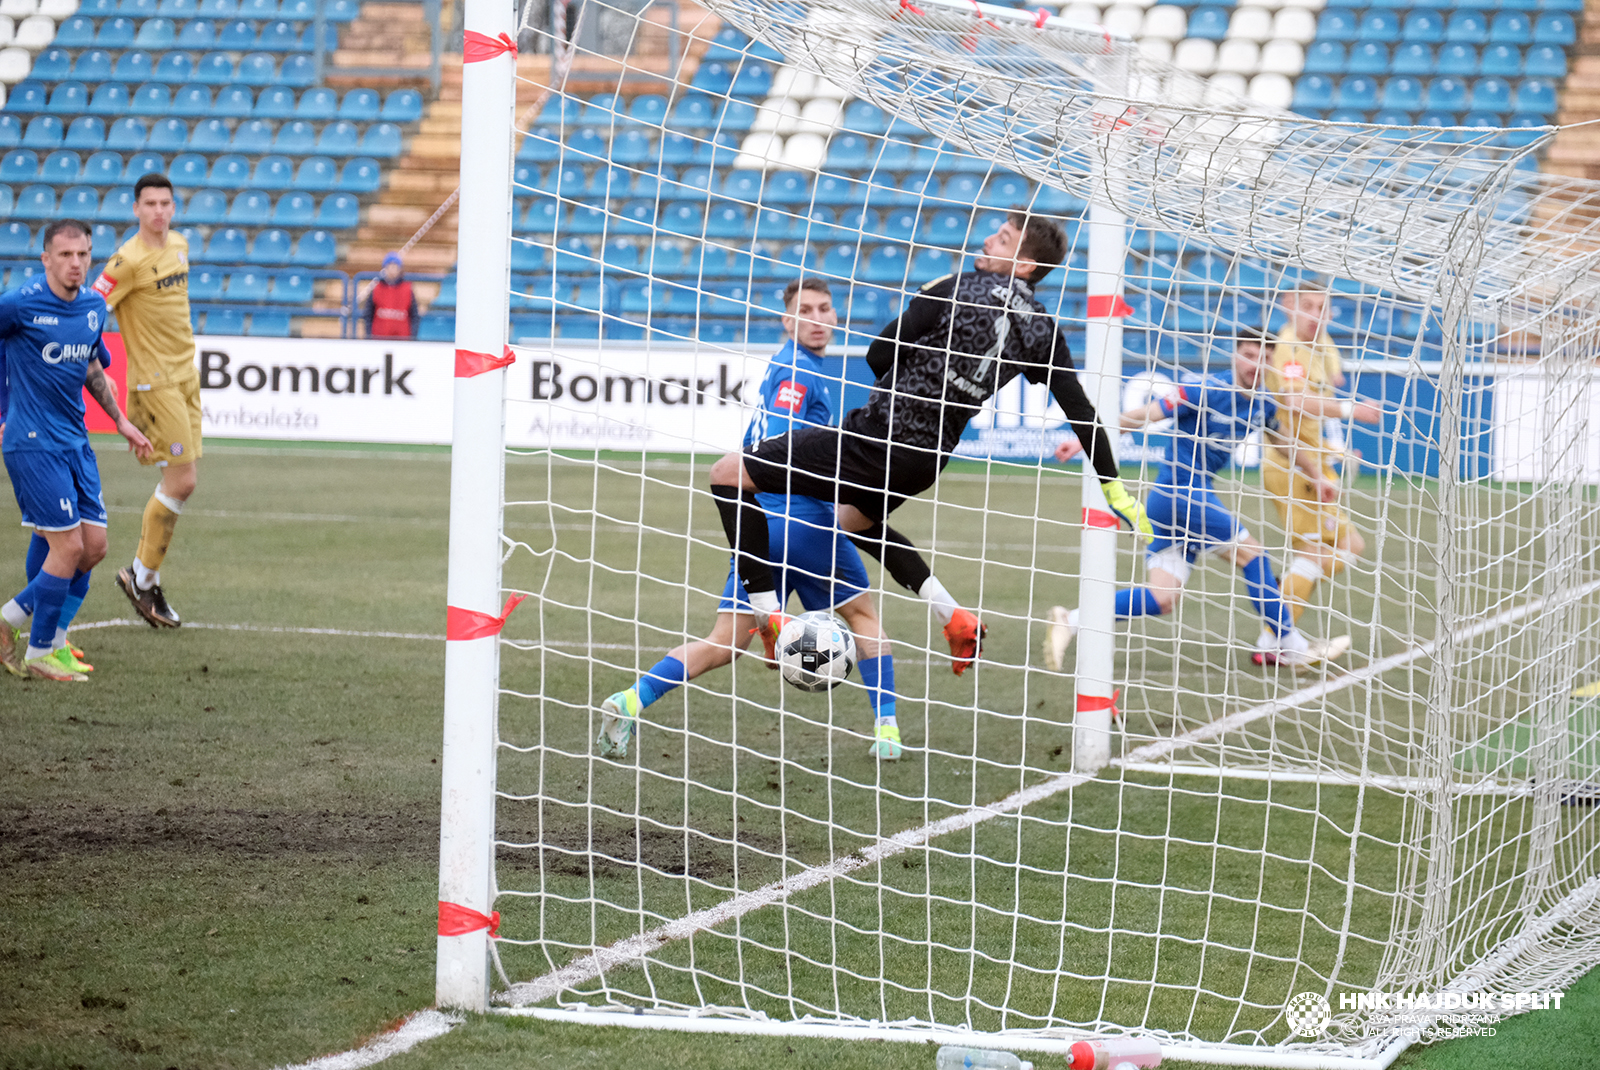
(146, 285)
(1305, 361)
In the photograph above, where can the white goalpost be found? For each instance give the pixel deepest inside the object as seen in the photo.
(1249, 865)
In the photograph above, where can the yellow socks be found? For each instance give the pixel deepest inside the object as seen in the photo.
(1302, 578)
(155, 535)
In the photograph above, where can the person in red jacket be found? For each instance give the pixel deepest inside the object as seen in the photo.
(391, 307)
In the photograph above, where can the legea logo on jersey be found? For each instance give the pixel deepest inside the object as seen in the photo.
(791, 396)
(94, 321)
(55, 352)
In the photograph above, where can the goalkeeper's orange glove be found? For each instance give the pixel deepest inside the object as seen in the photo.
(1129, 509)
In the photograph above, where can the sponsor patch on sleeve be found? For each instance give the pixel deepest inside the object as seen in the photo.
(791, 396)
(1294, 370)
(104, 285)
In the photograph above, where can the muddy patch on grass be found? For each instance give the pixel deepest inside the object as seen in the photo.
(611, 847)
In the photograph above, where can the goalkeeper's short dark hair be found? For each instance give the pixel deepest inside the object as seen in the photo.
(1259, 335)
(1043, 241)
(64, 226)
(805, 282)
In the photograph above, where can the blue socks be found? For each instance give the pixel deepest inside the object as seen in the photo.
(663, 677)
(878, 674)
(69, 609)
(1137, 602)
(49, 593)
(38, 550)
(1262, 587)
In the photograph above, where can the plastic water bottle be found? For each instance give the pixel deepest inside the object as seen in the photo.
(1114, 1053)
(952, 1058)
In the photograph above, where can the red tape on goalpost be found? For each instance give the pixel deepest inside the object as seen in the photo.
(469, 363)
(1108, 306)
(1099, 518)
(463, 624)
(480, 46)
(457, 920)
(1087, 703)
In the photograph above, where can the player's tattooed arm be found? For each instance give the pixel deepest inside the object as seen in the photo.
(100, 389)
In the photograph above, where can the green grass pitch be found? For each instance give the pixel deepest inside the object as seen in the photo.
(222, 851)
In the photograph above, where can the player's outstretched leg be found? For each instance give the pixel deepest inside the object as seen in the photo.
(965, 634)
(619, 721)
(146, 595)
(1293, 648)
(620, 713)
(1062, 623)
(48, 592)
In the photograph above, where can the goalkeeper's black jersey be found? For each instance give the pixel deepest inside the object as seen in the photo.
(959, 340)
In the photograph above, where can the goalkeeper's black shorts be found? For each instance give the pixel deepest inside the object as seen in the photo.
(836, 466)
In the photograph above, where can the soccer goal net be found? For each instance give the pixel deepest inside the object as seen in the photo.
(1250, 864)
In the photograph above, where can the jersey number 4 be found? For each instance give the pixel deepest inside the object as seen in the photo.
(66, 506)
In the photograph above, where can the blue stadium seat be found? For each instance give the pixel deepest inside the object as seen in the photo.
(294, 210)
(275, 102)
(360, 176)
(271, 247)
(143, 163)
(258, 68)
(1536, 96)
(152, 99)
(293, 288)
(446, 297)
(382, 140)
(168, 135)
(115, 33)
(270, 323)
(251, 208)
(208, 207)
(192, 102)
(648, 108)
(587, 141)
(1424, 27)
(1502, 61)
(216, 9)
(133, 67)
(68, 98)
(278, 37)
(79, 202)
(97, 8)
(223, 321)
(110, 98)
(754, 79)
(259, 9)
(61, 168)
(1546, 61)
(210, 136)
(1379, 25)
(359, 105)
(174, 67)
(338, 211)
(229, 245)
(214, 68)
(253, 138)
(273, 172)
(156, 34)
(19, 165)
(104, 240)
(117, 206)
(236, 35)
(103, 169)
(560, 109)
(715, 77)
(1554, 29)
(727, 220)
(126, 134)
(138, 9)
(886, 263)
(26, 98)
(1337, 24)
(682, 217)
(342, 10)
(1457, 59)
(676, 149)
(1402, 92)
(1313, 91)
(630, 147)
(338, 139)
(178, 9)
(251, 286)
(15, 239)
(611, 183)
(188, 169)
(319, 103)
(230, 172)
(437, 327)
(54, 64)
(234, 102)
(587, 219)
(1357, 91)
(316, 248)
(1369, 57)
(1511, 28)
(527, 257)
(297, 138)
(298, 71)
(1447, 94)
(308, 38)
(1467, 28)
(1414, 59)
(316, 173)
(198, 34)
(45, 132)
(787, 187)
(35, 202)
(693, 111)
(76, 32)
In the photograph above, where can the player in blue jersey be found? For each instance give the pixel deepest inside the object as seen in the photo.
(810, 556)
(53, 351)
(1211, 415)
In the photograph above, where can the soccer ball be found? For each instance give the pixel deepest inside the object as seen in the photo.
(815, 651)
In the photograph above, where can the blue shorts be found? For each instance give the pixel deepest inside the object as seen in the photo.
(1189, 520)
(810, 557)
(57, 490)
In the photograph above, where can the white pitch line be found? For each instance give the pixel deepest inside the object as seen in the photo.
(637, 947)
(424, 1025)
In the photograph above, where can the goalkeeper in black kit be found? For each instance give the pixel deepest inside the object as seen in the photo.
(961, 338)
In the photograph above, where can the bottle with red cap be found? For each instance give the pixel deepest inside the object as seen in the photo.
(1114, 1053)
